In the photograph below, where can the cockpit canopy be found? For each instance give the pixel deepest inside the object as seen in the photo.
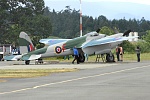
(91, 34)
(94, 35)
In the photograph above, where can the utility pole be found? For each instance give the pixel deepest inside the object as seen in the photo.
(80, 20)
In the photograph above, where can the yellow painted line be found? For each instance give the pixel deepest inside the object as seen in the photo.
(3, 81)
(81, 78)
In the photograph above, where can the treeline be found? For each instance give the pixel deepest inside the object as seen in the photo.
(39, 22)
(23, 15)
(65, 23)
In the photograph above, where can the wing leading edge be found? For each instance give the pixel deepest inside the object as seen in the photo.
(107, 40)
(52, 41)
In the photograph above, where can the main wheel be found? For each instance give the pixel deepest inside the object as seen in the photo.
(40, 61)
(27, 62)
(110, 58)
(81, 58)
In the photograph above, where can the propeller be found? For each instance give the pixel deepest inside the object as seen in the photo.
(126, 33)
(98, 30)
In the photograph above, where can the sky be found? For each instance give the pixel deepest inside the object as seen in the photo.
(112, 9)
(132, 1)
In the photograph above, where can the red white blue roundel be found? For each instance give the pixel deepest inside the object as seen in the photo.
(58, 49)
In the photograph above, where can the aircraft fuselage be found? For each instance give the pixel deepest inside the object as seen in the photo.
(56, 50)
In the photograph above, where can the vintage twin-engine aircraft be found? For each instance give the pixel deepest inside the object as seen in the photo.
(91, 43)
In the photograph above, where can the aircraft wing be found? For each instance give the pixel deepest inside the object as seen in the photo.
(107, 40)
(53, 41)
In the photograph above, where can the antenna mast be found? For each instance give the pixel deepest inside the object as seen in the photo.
(80, 20)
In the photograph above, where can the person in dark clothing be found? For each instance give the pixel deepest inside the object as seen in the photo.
(118, 53)
(76, 55)
(138, 50)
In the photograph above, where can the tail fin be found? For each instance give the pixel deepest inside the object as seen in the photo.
(25, 43)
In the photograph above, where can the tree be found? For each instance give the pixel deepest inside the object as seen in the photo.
(144, 25)
(128, 46)
(147, 36)
(102, 21)
(23, 15)
(4, 16)
(106, 30)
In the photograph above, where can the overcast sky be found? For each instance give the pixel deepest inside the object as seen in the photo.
(133, 1)
(112, 9)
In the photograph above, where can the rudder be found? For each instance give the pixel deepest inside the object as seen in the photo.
(25, 43)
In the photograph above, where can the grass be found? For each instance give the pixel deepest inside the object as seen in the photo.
(133, 57)
(126, 57)
(28, 73)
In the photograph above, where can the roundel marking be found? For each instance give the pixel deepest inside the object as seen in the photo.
(58, 49)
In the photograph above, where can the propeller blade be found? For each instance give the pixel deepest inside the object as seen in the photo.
(127, 33)
(98, 30)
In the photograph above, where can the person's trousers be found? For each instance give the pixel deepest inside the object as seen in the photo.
(118, 58)
(138, 57)
(76, 58)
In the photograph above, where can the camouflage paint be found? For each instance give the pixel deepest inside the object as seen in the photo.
(35, 52)
(75, 42)
(23, 42)
(38, 51)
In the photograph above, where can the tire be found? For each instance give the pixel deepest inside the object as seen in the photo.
(81, 58)
(27, 62)
(40, 61)
(110, 58)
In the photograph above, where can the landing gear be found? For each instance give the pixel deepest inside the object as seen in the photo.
(110, 57)
(39, 61)
(27, 62)
(81, 58)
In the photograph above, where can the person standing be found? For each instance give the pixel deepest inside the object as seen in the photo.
(121, 53)
(118, 53)
(76, 55)
(138, 50)
(86, 56)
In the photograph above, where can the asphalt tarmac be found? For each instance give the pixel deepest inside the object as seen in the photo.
(95, 81)
(52, 65)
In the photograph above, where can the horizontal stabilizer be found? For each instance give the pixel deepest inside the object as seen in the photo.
(12, 57)
(31, 57)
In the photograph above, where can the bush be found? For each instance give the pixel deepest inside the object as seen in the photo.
(39, 45)
(145, 46)
(128, 47)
